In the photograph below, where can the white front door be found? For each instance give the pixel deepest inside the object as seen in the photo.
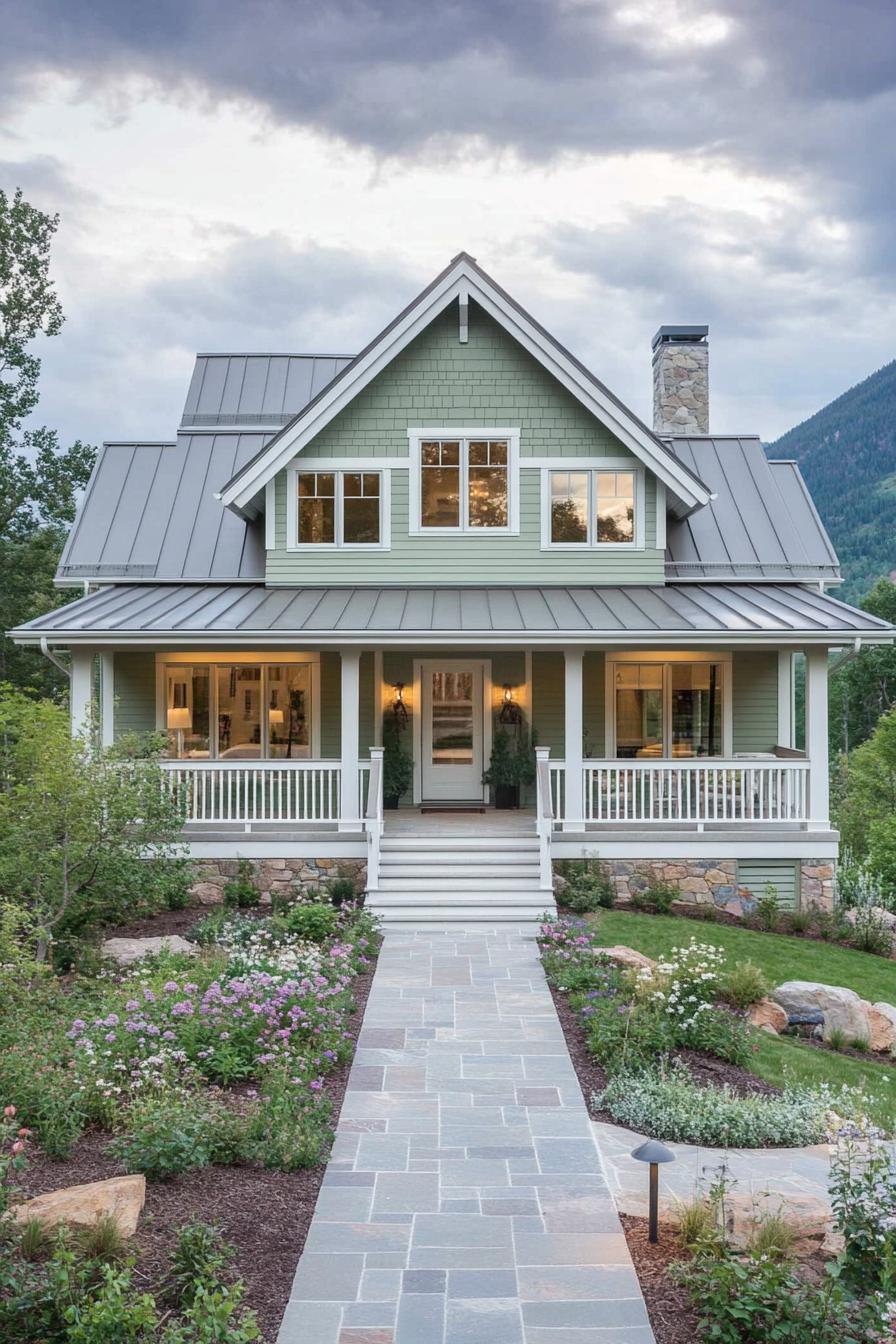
(451, 731)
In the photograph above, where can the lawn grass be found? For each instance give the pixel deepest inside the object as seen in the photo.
(780, 957)
(780, 1059)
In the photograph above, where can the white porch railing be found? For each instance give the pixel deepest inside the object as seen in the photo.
(696, 791)
(218, 791)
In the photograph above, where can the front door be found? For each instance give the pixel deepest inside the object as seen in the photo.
(452, 731)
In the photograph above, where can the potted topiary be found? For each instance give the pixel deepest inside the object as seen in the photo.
(502, 775)
(398, 764)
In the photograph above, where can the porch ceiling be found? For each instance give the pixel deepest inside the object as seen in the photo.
(688, 614)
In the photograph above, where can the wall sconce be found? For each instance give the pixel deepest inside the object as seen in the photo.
(510, 710)
(399, 708)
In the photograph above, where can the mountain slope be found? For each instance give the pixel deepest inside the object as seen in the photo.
(847, 453)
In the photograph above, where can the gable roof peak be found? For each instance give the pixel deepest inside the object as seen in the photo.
(464, 279)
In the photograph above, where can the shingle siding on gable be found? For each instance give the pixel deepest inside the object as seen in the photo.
(488, 381)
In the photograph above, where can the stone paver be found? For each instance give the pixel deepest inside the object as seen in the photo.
(465, 1201)
(778, 1172)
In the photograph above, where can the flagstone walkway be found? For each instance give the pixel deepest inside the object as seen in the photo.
(464, 1202)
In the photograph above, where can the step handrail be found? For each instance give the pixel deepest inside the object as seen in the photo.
(544, 816)
(373, 817)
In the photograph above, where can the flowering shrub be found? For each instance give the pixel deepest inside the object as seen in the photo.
(863, 1197)
(571, 953)
(670, 1106)
(13, 1144)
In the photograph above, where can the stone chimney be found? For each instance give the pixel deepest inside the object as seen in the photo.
(681, 380)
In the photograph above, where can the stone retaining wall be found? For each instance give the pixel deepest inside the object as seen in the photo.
(274, 877)
(714, 881)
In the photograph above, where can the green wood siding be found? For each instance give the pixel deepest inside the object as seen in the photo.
(367, 709)
(755, 874)
(489, 381)
(330, 698)
(548, 675)
(135, 693)
(594, 705)
(755, 700)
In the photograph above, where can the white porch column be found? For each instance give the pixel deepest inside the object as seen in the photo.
(817, 735)
(350, 813)
(572, 719)
(107, 699)
(785, 698)
(81, 689)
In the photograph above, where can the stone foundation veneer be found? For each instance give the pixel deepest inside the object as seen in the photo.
(714, 881)
(273, 877)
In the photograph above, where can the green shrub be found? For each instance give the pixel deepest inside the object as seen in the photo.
(169, 1134)
(757, 1298)
(744, 984)
(657, 898)
(697, 1224)
(341, 891)
(716, 1031)
(870, 932)
(102, 1240)
(768, 908)
(240, 892)
(627, 1037)
(671, 1106)
(200, 1257)
(315, 922)
(708, 913)
(588, 888)
(798, 921)
(291, 1128)
(863, 1198)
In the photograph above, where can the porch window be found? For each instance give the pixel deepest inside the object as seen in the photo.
(593, 508)
(465, 484)
(669, 709)
(239, 711)
(339, 508)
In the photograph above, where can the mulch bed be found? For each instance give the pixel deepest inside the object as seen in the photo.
(264, 1214)
(167, 922)
(669, 1307)
(704, 1069)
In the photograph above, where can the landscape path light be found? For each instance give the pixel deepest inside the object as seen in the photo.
(654, 1153)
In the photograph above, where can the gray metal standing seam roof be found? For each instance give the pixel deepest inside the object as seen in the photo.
(760, 524)
(742, 611)
(256, 389)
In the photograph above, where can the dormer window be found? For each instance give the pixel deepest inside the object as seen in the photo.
(593, 507)
(464, 481)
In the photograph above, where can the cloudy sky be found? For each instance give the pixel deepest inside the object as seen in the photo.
(282, 175)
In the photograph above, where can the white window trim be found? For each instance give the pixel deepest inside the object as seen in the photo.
(191, 658)
(593, 466)
(339, 471)
(464, 433)
(666, 660)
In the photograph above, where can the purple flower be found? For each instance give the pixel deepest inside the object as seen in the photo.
(170, 987)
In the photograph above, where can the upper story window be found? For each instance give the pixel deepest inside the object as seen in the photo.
(465, 481)
(339, 508)
(593, 507)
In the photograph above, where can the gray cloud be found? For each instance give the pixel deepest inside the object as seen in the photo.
(122, 364)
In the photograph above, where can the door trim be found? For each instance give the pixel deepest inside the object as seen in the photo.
(485, 665)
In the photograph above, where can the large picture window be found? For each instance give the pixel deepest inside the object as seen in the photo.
(593, 507)
(464, 482)
(668, 709)
(239, 711)
(339, 508)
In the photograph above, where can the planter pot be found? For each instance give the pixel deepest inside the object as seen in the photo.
(507, 795)
(391, 804)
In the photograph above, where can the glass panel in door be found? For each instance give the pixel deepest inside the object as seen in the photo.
(452, 718)
(452, 731)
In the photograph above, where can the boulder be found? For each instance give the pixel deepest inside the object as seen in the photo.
(207, 893)
(560, 885)
(128, 950)
(122, 1197)
(627, 958)
(881, 1026)
(879, 913)
(809, 1216)
(768, 1015)
(842, 1008)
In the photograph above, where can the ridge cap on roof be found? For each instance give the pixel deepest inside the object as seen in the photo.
(139, 443)
(269, 354)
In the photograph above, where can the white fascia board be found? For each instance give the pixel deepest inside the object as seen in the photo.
(687, 492)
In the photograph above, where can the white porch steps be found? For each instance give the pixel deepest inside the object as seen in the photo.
(452, 880)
